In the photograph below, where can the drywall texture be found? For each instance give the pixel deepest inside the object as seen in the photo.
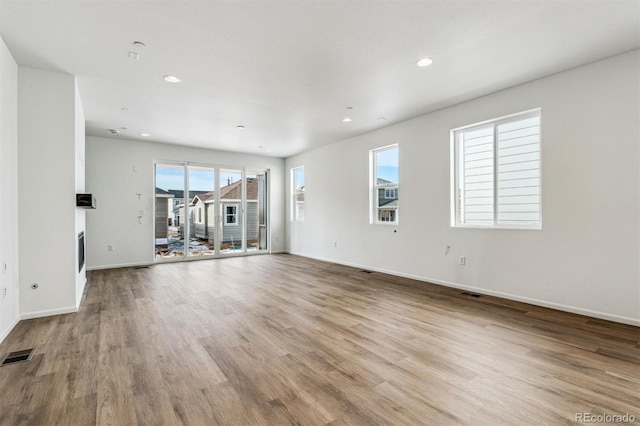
(8, 191)
(585, 258)
(117, 170)
(46, 192)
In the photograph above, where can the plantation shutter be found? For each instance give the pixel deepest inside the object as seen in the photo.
(477, 180)
(518, 171)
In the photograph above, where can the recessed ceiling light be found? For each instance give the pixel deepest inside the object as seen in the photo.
(133, 55)
(241, 127)
(139, 44)
(125, 109)
(268, 150)
(381, 119)
(424, 62)
(145, 135)
(346, 120)
(172, 79)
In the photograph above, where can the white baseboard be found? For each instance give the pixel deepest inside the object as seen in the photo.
(509, 296)
(6, 332)
(48, 313)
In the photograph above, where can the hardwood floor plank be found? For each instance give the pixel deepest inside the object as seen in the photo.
(281, 339)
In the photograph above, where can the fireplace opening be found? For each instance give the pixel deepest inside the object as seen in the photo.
(80, 251)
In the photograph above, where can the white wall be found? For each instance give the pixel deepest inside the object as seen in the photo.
(46, 192)
(8, 191)
(119, 169)
(81, 276)
(585, 259)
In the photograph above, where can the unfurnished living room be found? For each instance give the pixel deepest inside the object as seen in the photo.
(319, 212)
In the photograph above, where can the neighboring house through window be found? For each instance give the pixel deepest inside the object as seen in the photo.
(496, 173)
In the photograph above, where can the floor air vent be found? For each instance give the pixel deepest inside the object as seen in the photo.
(18, 356)
(466, 293)
(367, 272)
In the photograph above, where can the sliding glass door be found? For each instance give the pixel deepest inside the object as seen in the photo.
(202, 217)
(204, 210)
(256, 202)
(232, 211)
(169, 202)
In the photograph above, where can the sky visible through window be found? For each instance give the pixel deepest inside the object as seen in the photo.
(387, 164)
(299, 176)
(168, 177)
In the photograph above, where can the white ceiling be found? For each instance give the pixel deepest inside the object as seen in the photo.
(288, 69)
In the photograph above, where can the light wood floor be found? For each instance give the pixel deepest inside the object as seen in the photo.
(286, 340)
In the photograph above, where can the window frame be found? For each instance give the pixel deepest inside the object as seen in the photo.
(375, 188)
(295, 192)
(456, 172)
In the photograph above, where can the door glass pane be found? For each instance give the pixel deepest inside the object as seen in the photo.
(169, 200)
(202, 213)
(231, 190)
(256, 216)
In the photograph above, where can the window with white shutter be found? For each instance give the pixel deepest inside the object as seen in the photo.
(496, 173)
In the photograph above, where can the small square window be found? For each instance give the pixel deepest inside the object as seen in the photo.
(231, 215)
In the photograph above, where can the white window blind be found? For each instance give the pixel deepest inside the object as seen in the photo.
(519, 171)
(477, 187)
(497, 171)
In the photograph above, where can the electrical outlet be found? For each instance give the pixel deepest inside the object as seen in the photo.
(110, 247)
(335, 244)
(462, 260)
(4, 293)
